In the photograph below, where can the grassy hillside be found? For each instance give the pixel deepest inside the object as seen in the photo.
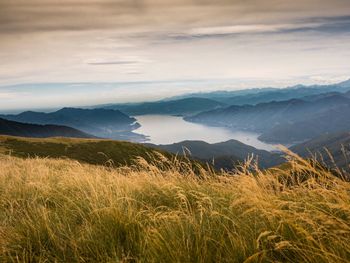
(90, 151)
(63, 211)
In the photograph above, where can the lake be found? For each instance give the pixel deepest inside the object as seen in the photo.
(164, 129)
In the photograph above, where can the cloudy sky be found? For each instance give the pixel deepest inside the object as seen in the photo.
(78, 52)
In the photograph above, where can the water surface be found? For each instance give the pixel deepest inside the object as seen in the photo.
(164, 129)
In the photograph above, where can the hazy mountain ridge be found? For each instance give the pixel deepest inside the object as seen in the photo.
(333, 120)
(99, 122)
(263, 95)
(39, 131)
(184, 106)
(272, 119)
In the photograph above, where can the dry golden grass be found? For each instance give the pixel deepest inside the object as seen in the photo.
(63, 211)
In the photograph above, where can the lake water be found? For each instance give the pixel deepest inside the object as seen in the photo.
(164, 129)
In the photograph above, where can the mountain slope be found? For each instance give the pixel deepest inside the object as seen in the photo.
(223, 154)
(284, 121)
(330, 121)
(99, 122)
(337, 144)
(90, 151)
(40, 131)
(173, 107)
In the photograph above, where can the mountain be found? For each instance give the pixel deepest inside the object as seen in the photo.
(264, 95)
(103, 123)
(39, 131)
(296, 92)
(222, 155)
(284, 121)
(329, 121)
(337, 144)
(221, 95)
(92, 151)
(173, 107)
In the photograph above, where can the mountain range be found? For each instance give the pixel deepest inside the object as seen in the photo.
(181, 107)
(286, 122)
(194, 103)
(263, 95)
(104, 123)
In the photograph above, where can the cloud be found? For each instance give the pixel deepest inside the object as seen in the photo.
(23, 16)
(315, 24)
(104, 63)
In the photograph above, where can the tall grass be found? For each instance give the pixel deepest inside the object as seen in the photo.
(63, 211)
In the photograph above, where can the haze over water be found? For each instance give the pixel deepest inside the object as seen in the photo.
(164, 129)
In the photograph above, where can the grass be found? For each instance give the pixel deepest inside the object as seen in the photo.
(91, 151)
(65, 211)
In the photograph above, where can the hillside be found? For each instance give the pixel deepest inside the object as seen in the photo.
(64, 211)
(280, 122)
(99, 122)
(92, 151)
(39, 131)
(336, 144)
(172, 107)
(224, 154)
(333, 120)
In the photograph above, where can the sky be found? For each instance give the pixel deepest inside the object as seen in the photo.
(78, 52)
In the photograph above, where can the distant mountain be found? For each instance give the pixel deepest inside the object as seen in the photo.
(329, 121)
(221, 95)
(222, 155)
(337, 144)
(284, 121)
(39, 131)
(264, 95)
(99, 122)
(296, 92)
(173, 107)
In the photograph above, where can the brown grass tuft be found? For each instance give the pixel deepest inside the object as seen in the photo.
(63, 211)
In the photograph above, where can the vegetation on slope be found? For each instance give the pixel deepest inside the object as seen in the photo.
(63, 211)
(91, 151)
